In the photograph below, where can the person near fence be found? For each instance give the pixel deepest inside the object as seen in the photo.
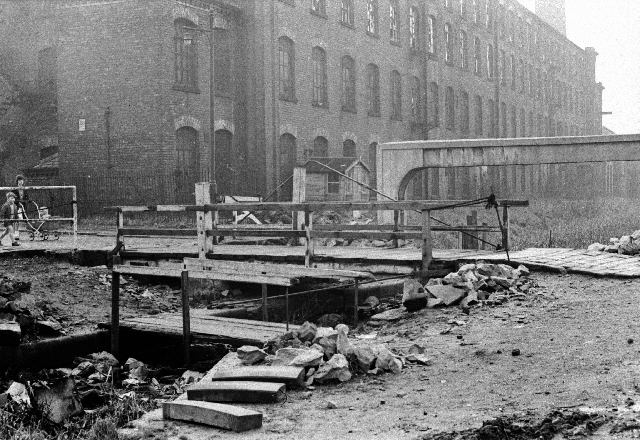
(9, 213)
(21, 198)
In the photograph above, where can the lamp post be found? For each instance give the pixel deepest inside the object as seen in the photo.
(212, 136)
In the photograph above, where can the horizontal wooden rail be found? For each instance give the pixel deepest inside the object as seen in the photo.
(43, 220)
(148, 232)
(402, 205)
(372, 227)
(225, 232)
(34, 188)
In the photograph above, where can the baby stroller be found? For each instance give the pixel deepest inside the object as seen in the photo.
(34, 217)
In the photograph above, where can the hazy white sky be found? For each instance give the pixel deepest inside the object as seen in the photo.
(613, 28)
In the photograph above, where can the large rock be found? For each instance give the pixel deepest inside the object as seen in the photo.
(337, 368)
(453, 279)
(325, 332)
(365, 357)
(307, 332)
(414, 296)
(84, 369)
(19, 394)
(597, 247)
(48, 327)
(57, 402)
(10, 333)
(249, 355)
(343, 345)
(386, 360)
(309, 358)
(448, 294)
(330, 320)
(329, 346)
(284, 356)
(470, 300)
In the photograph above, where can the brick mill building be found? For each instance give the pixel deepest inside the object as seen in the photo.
(293, 80)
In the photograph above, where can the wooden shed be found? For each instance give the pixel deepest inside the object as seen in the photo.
(324, 184)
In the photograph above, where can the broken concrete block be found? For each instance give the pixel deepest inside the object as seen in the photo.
(10, 333)
(309, 358)
(390, 315)
(329, 346)
(58, 403)
(466, 268)
(524, 270)
(342, 328)
(434, 282)
(343, 345)
(453, 278)
(48, 328)
(249, 355)
(337, 368)
(307, 332)
(597, 247)
(325, 332)
(238, 391)
(432, 303)
(284, 356)
(417, 358)
(218, 415)
(448, 294)
(289, 375)
(365, 357)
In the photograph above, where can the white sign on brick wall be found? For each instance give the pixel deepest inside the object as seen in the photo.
(82, 124)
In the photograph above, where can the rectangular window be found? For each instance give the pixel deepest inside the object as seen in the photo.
(448, 39)
(490, 61)
(413, 28)
(373, 90)
(463, 8)
(319, 78)
(464, 115)
(333, 183)
(286, 69)
(512, 69)
(396, 96)
(450, 113)
(394, 32)
(416, 102)
(431, 35)
(372, 17)
(503, 68)
(348, 84)
(186, 56)
(477, 57)
(433, 105)
(319, 7)
(478, 105)
(464, 63)
(346, 12)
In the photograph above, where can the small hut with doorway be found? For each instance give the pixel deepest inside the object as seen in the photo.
(323, 183)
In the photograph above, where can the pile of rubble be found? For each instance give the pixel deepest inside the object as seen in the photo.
(64, 392)
(17, 319)
(627, 245)
(472, 284)
(326, 353)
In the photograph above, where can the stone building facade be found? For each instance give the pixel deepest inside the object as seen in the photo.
(293, 79)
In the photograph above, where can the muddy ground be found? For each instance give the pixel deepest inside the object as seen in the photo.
(578, 337)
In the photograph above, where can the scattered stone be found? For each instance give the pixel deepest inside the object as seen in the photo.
(307, 332)
(18, 393)
(414, 296)
(49, 327)
(515, 352)
(448, 294)
(329, 346)
(104, 357)
(331, 405)
(365, 357)
(309, 358)
(342, 328)
(330, 320)
(326, 332)
(343, 345)
(524, 270)
(386, 360)
(337, 368)
(432, 303)
(390, 315)
(470, 300)
(372, 302)
(249, 354)
(84, 369)
(285, 356)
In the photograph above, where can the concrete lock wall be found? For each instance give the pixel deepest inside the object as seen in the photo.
(562, 167)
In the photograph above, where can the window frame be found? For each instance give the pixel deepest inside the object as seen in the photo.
(464, 49)
(396, 95)
(347, 13)
(348, 84)
(394, 22)
(414, 28)
(431, 35)
(185, 60)
(464, 112)
(373, 20)
(286, 71)
(450, 109)
(449, 41)
(373, 90)
(416, 100)
(319, 8)
(320, 96)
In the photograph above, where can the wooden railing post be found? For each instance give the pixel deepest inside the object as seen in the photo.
(299, 196)
(204, 220)
(119, 226)
(186, 318)
(74, 202)
(310, 244)
(507, 228)
(396, 226)
(427, 250)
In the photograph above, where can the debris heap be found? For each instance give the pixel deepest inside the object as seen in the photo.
(627, 245)
(472, 284)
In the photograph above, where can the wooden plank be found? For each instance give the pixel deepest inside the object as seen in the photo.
(243, 232)
(341, 227)
(148, 271)
(218, 415)
(291, 376)
(427, 250)
(252, 278)
(272, 268)
(186, 318)
(150, 232)
(238, 391)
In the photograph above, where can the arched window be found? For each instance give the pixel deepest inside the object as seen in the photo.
(287, 161)
(448, 40)
(433, 105)
(431, 35)
(414, 28)
(373, 90)
(372, 17)
(490, 61)
(464, 50)
(225, 168)
(348, 84)
(478, 112)
(477, 56)
(416, 101)
(349, 148)
(223, 58)
(346, 12)
(287, 69)
(449, 105)
(320, 147)
(185, 47)
(187, 150)
(394, 22)
(463, 8)
(396, 95)
(464, 113)
(320, 96)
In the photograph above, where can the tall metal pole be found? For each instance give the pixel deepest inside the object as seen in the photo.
(212, 130)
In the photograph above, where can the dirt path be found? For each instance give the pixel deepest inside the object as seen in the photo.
(579, 340)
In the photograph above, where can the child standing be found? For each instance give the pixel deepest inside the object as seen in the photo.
(9, 212)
